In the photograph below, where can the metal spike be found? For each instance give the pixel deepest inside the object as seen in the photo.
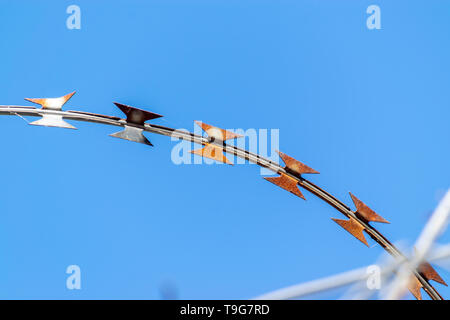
(287, 183)
(365, 212)
(294, 165)
(52, 120)
(135, 115)
(414, 287)
(430, 273)
(217, 133)
(132, 134)
(212, 152)
(353, 227)
(138, 117)
(52, 103)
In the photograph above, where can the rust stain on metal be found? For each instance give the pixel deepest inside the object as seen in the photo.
(414, 287)
(52, 103)
(287, 183)
(365, 212)
(135, 115)
(353, 227)
(217, 133)
(212, 152)
(294, 165)
(430, 273)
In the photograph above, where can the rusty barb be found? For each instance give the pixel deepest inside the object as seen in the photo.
(216, 138)
(214, 147)
(295, 168)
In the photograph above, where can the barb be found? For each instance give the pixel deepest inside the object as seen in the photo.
(294, 167)
(135, 116)
(354, 228)
(216, 137)
(52, 119)
(53, 115)
(364, 212)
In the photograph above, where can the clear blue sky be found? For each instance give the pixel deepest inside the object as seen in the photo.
(369, 109)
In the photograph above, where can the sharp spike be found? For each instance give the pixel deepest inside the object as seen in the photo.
(414, 286)
(354, 228)
(430, 273)
(132, 134)
(287, 183)
(52, 103)
(365, 212)
(294, 165)
(52, 120)
(212, 152)
(135, 116)
(217, 133)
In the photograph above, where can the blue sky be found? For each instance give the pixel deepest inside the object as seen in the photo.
(369, 109)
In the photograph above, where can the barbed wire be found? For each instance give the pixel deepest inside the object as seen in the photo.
(432, 230)
(215, 147)
(439, 255)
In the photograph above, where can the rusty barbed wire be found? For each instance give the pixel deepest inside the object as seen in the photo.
(290, 175)
(360, 289)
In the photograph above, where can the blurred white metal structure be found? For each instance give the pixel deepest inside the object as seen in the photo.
(432, 230)
(424, 245)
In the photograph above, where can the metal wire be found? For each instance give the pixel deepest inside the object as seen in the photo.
(233, 150)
